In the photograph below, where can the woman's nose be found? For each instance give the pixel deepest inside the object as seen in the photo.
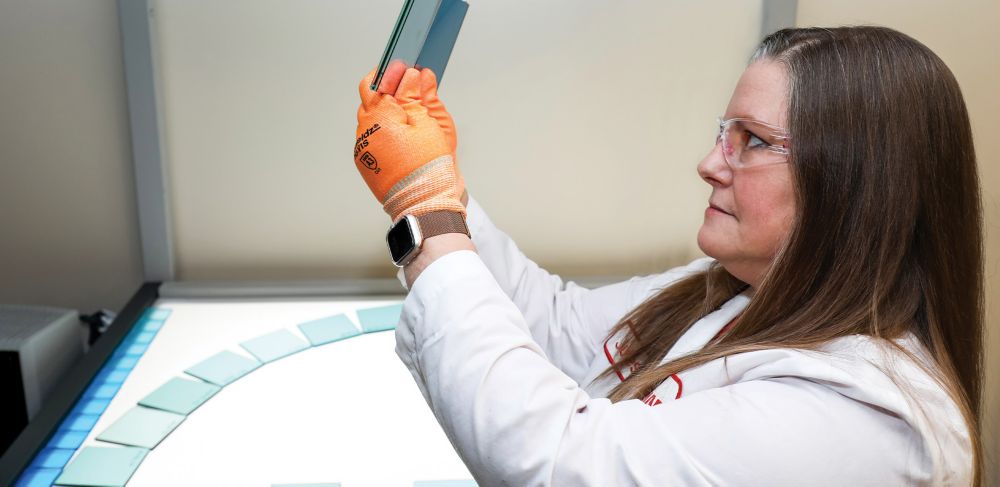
(714, 169)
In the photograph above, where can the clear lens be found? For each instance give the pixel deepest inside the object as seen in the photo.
(751, 143)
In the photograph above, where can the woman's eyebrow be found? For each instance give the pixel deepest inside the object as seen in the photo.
(749, 116)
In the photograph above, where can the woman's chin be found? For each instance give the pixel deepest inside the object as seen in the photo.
(709, 241)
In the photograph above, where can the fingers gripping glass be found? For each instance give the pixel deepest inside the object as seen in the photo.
(747, 142)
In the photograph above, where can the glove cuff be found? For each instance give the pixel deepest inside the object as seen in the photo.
(431, 187)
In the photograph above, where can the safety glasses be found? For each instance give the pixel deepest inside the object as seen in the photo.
(748, 143)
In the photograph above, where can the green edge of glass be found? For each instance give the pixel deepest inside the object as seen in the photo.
(384, 63)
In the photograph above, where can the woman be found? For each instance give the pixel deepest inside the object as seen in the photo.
(833, 336)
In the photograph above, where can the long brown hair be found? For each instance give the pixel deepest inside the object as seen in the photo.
(887, 238)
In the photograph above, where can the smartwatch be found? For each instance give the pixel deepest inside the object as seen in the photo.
(406, 236)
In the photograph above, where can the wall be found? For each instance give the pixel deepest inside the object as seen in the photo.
(965, 35)
(67, 214)
(579, 124)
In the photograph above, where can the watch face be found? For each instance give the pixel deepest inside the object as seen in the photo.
(401, 241)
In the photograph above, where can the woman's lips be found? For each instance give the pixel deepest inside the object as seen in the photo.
(712, 207)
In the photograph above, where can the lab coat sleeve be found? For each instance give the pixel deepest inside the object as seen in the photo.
(566, 320)
(515, 419)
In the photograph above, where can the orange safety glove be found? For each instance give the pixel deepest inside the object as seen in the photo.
(437, 111)
(435, 108)
(402, 153)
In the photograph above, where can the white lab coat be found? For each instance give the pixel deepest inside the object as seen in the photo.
(505, 355)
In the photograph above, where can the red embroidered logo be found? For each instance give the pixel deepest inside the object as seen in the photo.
(680, 385)
(622, 350)
(611, 360)
(652, 400)
(634, 366)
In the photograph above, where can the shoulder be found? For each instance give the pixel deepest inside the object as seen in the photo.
(892, 380)
(735, 424)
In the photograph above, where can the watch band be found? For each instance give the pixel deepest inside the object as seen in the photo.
(439, 222)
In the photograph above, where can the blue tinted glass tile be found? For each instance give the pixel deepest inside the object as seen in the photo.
(180, 396)
(329, 329)
(101, 391)
(142, 427)
(129, 349)
(116, 376)
(67, 439)
(159, 314)
(102, 376)
(38, 477)
(91, 406)
(124, 363)
(152, 325)
(137, 349)
(145, 337)
(81, 422)
(110, 376)
(379, 319)
(223, 368)
(95, 406)
(92, 389)
(52, 458)
(274, 345)
(100, 466)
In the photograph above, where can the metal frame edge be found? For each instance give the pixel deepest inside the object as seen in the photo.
(136, 20)
(777, 14)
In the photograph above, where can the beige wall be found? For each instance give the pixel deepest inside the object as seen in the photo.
(580, 126)
(965, 34)
(67, 221)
